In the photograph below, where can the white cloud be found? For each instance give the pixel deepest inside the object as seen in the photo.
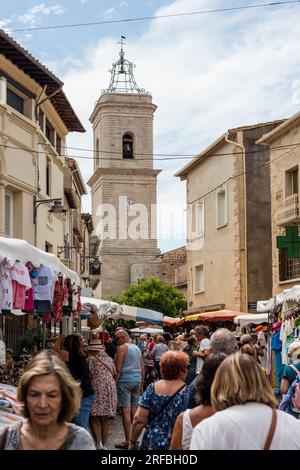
(123, 4)
(206, 73)
(35, 13)
(109, 12)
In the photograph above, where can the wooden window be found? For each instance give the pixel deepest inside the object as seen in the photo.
(199, 278)
(15, 101)
(8, 214)
(199, 219)
(291, 182)
(49, 132)
(221, 208)
(58, 144)
(41, 120)
(48, 178)
(289, 268)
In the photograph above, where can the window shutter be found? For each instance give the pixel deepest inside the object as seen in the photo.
(7, 215)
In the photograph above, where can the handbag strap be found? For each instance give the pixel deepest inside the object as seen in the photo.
(271, 430)
(295, 369)
(105, 365)
(3, 438)
(166, 403)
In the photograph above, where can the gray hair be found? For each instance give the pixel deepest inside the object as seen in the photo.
(223, 341)
(202, 330)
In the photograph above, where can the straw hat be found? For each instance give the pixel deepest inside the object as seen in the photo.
(94, 321)
(95, 345)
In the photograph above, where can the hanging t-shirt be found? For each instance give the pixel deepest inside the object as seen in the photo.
(43, 284)
(20, 274)
(6, 293)
(2, 352)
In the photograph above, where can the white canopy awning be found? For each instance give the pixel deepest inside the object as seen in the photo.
(256, 318)
(149, 331)
(15, 249)
(104, 308)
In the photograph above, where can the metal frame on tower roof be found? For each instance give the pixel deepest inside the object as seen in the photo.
(122, 77)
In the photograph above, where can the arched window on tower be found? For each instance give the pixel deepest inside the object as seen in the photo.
(127, 146)
(97, 156)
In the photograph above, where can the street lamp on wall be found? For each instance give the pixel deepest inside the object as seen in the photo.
(57, 206)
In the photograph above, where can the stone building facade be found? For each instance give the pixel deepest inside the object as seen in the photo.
(229, 220)
(33, 130)
(123, 185)
(174, 268)
(283, 143)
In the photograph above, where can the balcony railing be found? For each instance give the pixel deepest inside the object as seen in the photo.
(288, 210)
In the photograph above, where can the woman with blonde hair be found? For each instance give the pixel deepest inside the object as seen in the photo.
(50, 398)
(291, 371)
(246, 417)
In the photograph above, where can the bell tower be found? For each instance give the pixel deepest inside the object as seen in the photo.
(124, 181)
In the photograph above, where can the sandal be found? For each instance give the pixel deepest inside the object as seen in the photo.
(122, 445)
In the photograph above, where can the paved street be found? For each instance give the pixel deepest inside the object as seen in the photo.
(116, 433)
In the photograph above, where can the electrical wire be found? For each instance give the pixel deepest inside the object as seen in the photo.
(147, 18)
(168, 157)
(231, 178)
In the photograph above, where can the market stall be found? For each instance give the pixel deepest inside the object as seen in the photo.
(107, 310)
(35, 286)
(253, 318)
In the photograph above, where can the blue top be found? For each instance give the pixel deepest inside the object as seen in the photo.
(159, 430)
(276, 344)
(131, 370)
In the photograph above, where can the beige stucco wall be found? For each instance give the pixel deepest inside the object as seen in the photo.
(23, 172)
(281, 161)
(218, 244)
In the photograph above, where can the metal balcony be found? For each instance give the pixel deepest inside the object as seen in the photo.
(288, 210)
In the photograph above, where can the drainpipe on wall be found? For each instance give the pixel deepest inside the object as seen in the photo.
(245, 216)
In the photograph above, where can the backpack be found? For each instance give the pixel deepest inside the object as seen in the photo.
(296, 395)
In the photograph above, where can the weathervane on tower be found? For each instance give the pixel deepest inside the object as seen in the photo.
(122, 78)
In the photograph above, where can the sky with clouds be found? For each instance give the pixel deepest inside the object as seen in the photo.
(206, 72)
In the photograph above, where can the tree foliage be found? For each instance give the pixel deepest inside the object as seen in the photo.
(154, 294)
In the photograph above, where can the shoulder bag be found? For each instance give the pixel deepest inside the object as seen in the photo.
(166, 403)
(271, 430)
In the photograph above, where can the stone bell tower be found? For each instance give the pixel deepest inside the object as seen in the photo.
(124, 182)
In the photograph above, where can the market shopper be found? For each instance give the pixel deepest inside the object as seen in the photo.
(129, 366)
(186, 421)
(51, 397)
(189, 350)
(159, 348)
(246, 412)
(291, 371)
(161, 403)
(102, 372)
(202, 335)
(223, 340)
(73, 356)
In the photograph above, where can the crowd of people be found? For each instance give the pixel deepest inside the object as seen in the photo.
(206, 390)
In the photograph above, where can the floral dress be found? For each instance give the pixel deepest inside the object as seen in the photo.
(102, 371)
(159, 429)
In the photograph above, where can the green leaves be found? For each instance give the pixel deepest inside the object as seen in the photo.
(155, 295)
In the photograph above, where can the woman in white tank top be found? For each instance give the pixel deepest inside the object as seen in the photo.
(186, 421)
